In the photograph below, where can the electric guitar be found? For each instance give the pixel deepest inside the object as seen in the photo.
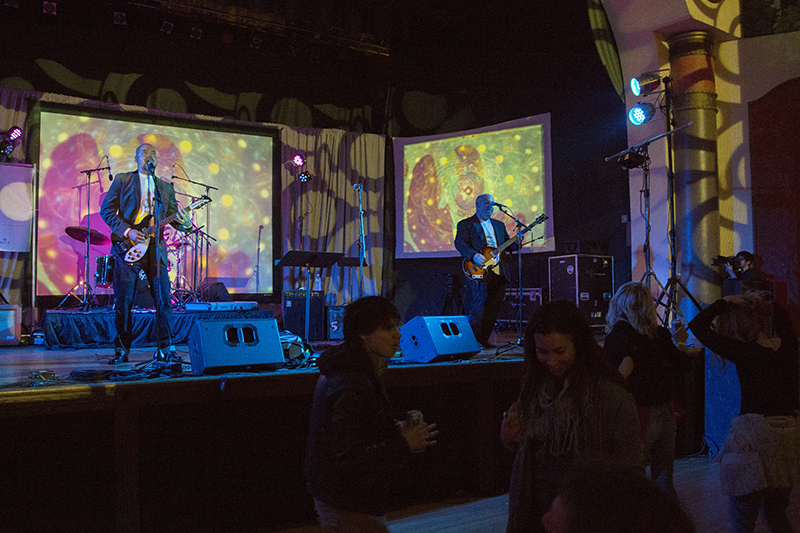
(133, 252)
(474, 271)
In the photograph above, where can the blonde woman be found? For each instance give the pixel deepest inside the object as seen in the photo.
(647, 358)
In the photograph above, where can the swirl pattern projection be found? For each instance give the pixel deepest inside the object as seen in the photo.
(439, 178)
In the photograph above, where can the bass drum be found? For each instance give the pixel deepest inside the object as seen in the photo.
(104, 276)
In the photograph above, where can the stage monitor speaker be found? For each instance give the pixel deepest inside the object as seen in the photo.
(587, 280)
(10, 325)
(294, 315)
(238, 345)
(430, 339)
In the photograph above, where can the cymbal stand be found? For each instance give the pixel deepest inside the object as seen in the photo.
(87, 294)
(201, 266)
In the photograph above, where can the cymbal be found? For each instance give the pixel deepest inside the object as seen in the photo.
(79, 233)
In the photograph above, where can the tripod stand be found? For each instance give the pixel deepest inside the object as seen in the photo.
(638, 156)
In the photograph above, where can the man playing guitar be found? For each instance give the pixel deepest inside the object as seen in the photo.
(129, 208)
(476, 236)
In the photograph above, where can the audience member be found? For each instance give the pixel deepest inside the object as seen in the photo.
(574, 409)
(356, 450)
(646, 356)
(759, 462)
(744, 268)
(614, 501)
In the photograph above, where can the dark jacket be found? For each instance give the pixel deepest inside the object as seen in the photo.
(122, 203)
(354, 449)
(658, 364)
(471, 239)
(768, 379)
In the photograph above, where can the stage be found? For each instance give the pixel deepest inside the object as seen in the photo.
(124, 451)
(94, 327)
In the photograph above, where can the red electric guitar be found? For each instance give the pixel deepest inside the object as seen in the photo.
(492, 255)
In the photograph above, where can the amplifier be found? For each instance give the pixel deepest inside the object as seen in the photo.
(294, 314)
(10, 325)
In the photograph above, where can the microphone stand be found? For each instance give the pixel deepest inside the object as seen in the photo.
(520, 226)
(258, 259)
(207, 249)
(362, 247)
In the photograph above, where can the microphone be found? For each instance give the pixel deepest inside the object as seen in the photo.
(357, 186)
(501, 206)
(151, 166)
(110, 175)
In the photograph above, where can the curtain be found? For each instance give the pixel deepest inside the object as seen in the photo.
(15, 267)
(322, 214)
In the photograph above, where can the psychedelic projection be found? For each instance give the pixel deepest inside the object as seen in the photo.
(238, 221)
(440, 176)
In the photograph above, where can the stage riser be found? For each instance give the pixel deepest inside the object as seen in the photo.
(95, 328)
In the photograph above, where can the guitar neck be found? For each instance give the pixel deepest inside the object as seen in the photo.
(164, 222)
(506, 244)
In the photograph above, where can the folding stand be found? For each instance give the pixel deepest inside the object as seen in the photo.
(309, 260)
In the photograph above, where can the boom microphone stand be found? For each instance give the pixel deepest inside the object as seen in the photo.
(362, 247)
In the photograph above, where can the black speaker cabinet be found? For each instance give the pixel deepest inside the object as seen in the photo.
(430, 339)
(587, 280)
(238, 345)
(294, 315)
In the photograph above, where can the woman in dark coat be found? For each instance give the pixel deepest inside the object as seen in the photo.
(574, 411)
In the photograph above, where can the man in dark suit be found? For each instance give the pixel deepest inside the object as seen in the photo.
(135, 201)
(473, 235)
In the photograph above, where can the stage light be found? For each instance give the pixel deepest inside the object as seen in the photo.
(640, 114)
(631, 160)
(166, 26)
(8, 139)
(304, 177)
(49, 8)
(299, 160)
(645, 84)
(120, 18)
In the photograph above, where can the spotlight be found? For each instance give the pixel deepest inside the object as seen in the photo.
(166, 27)
(304, 177)
(49, 8)
(640, 114)
(8, 139)
(196, 33)
(120, 18)
(299, 160)
(645, 84)
(255, 42)
(14, 133)
(631, 160)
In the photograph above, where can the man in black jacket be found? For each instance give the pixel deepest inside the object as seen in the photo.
(355, 447)
(474, 236)
(135, 201)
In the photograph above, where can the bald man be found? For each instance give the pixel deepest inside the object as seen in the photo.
(474, 235)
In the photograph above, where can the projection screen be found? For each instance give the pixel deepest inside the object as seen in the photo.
(439, 177)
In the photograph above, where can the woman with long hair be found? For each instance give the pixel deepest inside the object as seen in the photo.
(647, 358)
(573, 411)
(759, 463)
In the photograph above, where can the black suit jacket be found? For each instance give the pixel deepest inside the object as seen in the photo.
(471, 239)
(122, 203)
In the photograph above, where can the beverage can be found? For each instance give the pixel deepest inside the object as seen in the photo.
(414, 417)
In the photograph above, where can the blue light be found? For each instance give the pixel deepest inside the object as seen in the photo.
(635, 87)
(642, 113)
(304, 176)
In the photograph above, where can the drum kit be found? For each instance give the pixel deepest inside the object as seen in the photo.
(181, 253)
